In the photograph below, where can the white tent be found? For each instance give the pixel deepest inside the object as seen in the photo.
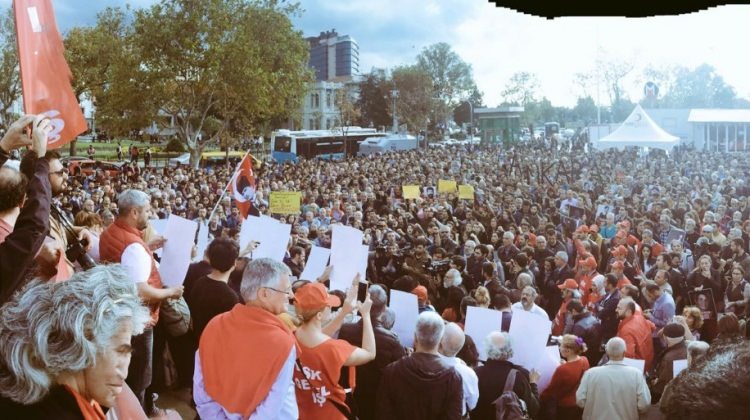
(639, 130)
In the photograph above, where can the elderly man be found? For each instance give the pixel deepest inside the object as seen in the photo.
(494, 374)
(613, 391)
(528, 297)
(452, 342)
(676, 349)
(234, 376)
(424, 385)
(388, 350)
(122, 242)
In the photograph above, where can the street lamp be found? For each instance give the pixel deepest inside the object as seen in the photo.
(394, 96)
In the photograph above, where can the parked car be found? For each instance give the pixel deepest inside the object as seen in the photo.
(88, 167)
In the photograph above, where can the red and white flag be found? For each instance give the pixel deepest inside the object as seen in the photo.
(242, 185)
(45, 75)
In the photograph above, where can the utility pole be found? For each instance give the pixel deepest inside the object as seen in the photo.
(394, 96)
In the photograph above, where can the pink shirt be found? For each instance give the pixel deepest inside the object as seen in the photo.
(5, 230)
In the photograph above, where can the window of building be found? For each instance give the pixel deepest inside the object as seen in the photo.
(328, 98)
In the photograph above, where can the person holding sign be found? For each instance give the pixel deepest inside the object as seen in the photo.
(316, 377)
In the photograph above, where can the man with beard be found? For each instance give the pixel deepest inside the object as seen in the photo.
(122, 242)
(528, 296)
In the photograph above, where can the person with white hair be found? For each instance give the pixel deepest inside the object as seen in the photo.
(424, 385)
(615, 390)
(499, 371)
(528, 297)
(66, 346)
(452, 342)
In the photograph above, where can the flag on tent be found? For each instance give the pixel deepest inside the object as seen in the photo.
(45, 75)
(242, 185)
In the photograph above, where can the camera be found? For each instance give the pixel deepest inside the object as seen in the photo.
(437, 267)
(77, 252)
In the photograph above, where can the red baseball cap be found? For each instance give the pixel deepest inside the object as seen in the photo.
(589, 262)
(569, 284)
(314, 296)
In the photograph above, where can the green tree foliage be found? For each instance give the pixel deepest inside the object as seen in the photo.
(10, 82)
(374, 91)
(452, 79)
(521, 89)
(415, 101)
(214, 68)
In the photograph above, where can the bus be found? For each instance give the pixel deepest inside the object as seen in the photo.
(393, 142)
(325, 144)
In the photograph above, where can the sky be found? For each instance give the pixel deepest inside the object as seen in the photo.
(499, 42)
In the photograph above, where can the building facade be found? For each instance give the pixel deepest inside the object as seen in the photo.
(497, 125)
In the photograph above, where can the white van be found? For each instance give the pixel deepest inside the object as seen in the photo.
(392, 142)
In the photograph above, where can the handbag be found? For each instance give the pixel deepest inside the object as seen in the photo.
(175, 316)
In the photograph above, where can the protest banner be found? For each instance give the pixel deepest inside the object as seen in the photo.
(175, 260)
(316, 263)
(411, 191)
(466, 192)
(406, 308)
(446, 186)
(285, 202)
(346, 258)
(479, 323)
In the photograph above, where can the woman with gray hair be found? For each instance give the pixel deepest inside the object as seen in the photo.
(66, 346)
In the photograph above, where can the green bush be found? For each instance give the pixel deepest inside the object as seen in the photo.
(175, 145)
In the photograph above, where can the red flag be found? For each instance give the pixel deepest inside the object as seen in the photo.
(45, 75)
(242, 185)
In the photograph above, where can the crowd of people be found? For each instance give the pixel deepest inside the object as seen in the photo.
(630, 256)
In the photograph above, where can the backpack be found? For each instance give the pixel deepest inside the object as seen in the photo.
(508, 406)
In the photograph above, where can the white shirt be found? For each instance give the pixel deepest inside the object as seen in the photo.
(534, 310)
(137, 263)
(470, 383)
(280, 403)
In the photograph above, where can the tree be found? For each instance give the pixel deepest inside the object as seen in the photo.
(374, 90)
(414, 103)
(348, 110)
(585, 110)
(451, 78)
(10, 82)
(613, 72)
(208, 67)
(701, 87)
(462, 113)
(521, 89)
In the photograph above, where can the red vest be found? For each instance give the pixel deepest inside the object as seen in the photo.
(112, 244)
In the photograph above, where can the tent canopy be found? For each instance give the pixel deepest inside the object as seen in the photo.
(639, 130)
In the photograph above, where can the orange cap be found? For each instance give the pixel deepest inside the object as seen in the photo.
(314, 296)
(569, 284)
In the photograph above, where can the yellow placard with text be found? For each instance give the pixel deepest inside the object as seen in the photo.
(446, 186)
(285, 202)
(411, 192)
(466, 192)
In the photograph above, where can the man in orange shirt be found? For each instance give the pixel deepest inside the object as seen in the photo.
(636, 331)
(569, 291)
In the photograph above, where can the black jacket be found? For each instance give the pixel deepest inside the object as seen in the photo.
(388, 350)
(588, 327)
(607, 312)
(492, 378)
(20, 247)
(420, 387)
(58, 404)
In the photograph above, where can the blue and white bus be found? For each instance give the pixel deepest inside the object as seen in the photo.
(325, 144)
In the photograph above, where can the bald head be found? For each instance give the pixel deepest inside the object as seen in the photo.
(453, 340)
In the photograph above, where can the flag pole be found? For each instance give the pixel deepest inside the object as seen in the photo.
(224, 192)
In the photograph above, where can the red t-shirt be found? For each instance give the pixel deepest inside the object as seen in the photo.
(320, 380)
(565, 382)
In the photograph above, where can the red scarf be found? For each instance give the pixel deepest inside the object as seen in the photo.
(241, 353)
(89, 410)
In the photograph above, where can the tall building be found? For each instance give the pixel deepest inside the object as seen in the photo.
(333, 57)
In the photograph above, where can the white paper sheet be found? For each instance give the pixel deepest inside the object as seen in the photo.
(316, 263)
(636, 363)
(272, 235)
(202, 242)
(678, 366)
(159, 225)
(180, 235)
(346, 256)
(546, 366)
(529, 335)
(406, 308)
(364, 255)
(479, 323)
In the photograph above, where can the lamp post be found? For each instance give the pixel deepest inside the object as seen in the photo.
(394, 96)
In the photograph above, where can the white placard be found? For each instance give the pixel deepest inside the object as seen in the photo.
(273, 237)
(529, 335)
(364, 255)
(636, 363)
(316, 263)
(480, 322)
(678, 366)
(546, 366)
(406, 308)
(159, 225)
(202, 242)
(346, 258)
(180, 235)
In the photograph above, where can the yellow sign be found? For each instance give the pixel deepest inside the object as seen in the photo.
(466, 192)
(283, 202)
(446, 186)
(411, 191)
